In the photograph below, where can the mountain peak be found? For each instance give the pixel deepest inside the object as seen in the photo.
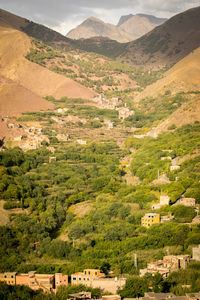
(123, 19)
(94, 19)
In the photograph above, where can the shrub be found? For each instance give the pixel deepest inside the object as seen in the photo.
(11, 205)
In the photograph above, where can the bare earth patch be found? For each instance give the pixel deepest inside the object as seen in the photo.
(80, 209)
(5, 213)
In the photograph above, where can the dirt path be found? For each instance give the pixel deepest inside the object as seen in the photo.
(125, 165)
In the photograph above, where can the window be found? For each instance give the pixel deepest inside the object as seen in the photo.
(89, 272)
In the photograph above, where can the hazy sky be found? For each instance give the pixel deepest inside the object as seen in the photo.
(63, 15)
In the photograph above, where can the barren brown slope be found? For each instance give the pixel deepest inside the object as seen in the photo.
(14, 45)
(44, 82)
(186, 114)
(167, 43)
(183, 76)
(15, 99)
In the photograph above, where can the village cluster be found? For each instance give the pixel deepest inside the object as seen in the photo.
(95, 279)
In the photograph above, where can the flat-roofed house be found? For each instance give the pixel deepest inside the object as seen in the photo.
(86, 276)
(95, 279)
(150, 219)
(36, 281)
(60, 279)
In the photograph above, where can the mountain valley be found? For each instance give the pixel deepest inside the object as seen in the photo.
(93, 134)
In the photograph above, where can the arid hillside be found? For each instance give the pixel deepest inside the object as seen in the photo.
(167, 43)
(187, 114)
(27, 81)
(182, 77)
(183, 80)
(15, 99)
(15, 96)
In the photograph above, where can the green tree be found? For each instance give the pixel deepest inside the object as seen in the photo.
(134, 287)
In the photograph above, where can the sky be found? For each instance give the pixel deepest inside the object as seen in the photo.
(64, 15)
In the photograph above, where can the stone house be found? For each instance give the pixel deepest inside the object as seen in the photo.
(60, 279)
(109, 124)
(155, 267)
(166, 158)
(62, 137)
(168, 264)
(176, 262)
(196, 253)
(11, 125)
(106, 103)
(62, 110)
(81, 142)
(125, 112)
(164, 200)
(174, 168)
(186, 201)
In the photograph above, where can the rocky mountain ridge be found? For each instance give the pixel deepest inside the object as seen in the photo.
(129, 28)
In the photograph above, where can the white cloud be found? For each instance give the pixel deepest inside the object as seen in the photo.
(65, 27)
